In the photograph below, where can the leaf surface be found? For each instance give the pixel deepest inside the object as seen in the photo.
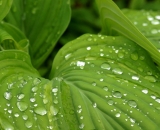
(42, 22)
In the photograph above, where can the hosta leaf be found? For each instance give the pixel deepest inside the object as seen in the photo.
(111, 82)
(42, 23)
(114, 20)
(12, 38)
(148, 22)
(5, 6)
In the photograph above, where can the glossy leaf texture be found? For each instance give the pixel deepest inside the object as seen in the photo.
(113, 21)
(108, 83)
(42, 22)
(148, 22)
(12, 38)
(5, 6)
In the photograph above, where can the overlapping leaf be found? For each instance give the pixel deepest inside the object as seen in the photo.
(114, 20)
(42, 23)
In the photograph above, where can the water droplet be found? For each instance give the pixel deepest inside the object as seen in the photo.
(34, 89)
(28, 124)
(5, 125)
(22, 106)
(36, 81)
(55, 101)
(135, 77)
(94, 105)
(45, 101)
(89, 39)
(132, 103)
(79, 110)
(155, 22)
(118, 115)
(34, 10)
(134, 56)
(150, 78)
(110, 102)
(40, 110)
(68, 56)
(117, 94)
(105, 88)
(53, 110)
(81, 64)
(153, 96)
(157, 100)
(32, 99)
(106, 66)
(25, 117)
(7, 95)
(55, 90)
(145, 91)
(132, 120)
(117, 71)
(94, 84)
(120, 55)
(16, 115)
(81, 126)
(20, 96)
(88, 48)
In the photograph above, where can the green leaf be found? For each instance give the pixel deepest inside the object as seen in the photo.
(42, 22)
(5, 6)
(111, 80)
(12, 38)
(114, 20)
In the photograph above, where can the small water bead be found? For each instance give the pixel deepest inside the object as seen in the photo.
(94, 83)
(25, 117)
(154, 31)
(16, 115)
(153, 96)
(28, 124)
(34, 10)
(45, 101)
(117, 94)
(81, 126)
(79, 110)
(32, 99)
(110, 102)
(40, 110)
(54, 110)
(134, 56)
(118, 115)
(144, 24)
(36, 81)
(135, 77)
(105, 88)
(157, 100)
(155, 22)
(34, 89)
(81, 64)
(121, 55)
(55, 101)
(150, 78)
(132, 103)
(88, 48)
(117, 71)
(145, 91)
(20, 96)
(68, 56)
(7, 95)
(89, 39)
(94, 105)
(55, 90)
(22, 106)
(106, 66)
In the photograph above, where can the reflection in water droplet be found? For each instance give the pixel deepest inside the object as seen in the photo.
(54, 110)
(40, 110)
(45, 101)
(94, 105)
(81, 126)
(36, 81)
(120, 55)
(22, 106)
(134, 56)
(28, 124)
(81, 64)
(68, 56)
(94, 84)
(135, 77)
(145, 91)
(118, 115)
(110, 102)
(150, 78)
(105, 88)
(20, 96)
(117, 94)
(117, 71)
(34, 89)
(106, 66)
(132, 103)
(25, 117)
(88, 48)
(7, 95)
(157, 100)
(54, 90)
(81, 117)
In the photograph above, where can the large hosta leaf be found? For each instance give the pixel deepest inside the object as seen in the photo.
(97, 82)
(42, 23)
(114, 20)
(5, 6)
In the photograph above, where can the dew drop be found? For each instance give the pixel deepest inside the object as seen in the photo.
(118, 115)
(34, 89)
(22, 106)
(20, 96)
(7, 95)
(28, 124)
(120, 55)
(132, 103)
(68, 56)
(110, 102)
(88, 48)
(81, 64)
(45, 101)
(40, 110)
(54, 110)
(134, 56)
(105, 88)
(157, 100)
(25, 117)
(36, 81)
(106, 66)
(81, 126)
(150, 78)
(16, 115)
(94, 105)
(117, 94)
(79, 110)
(135, 77)
(94, 84)
(145, 91)
(5, 125)
(117, 71)
(55, 90)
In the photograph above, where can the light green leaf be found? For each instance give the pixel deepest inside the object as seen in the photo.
(42, 22)
(5, 6)
(113, 83)
(114, 20)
